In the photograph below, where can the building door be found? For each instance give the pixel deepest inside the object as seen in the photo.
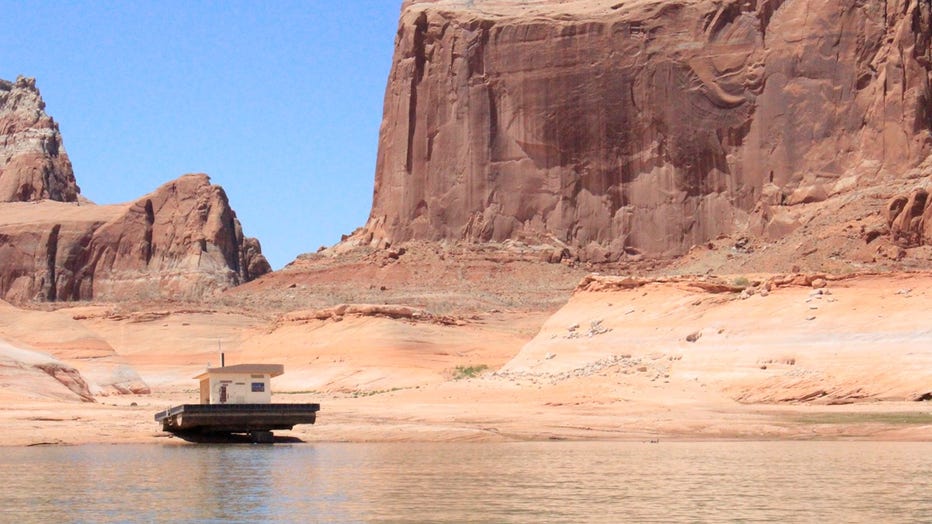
(238, 393)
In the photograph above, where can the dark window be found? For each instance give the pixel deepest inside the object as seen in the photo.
(258, 387)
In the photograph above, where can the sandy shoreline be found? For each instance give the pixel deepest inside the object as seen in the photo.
(624, 359)
(418, 417)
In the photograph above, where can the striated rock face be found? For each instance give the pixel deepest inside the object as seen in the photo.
(181, 241)
(186, 233)
(610, 125)
(41, 376)
(33, 162)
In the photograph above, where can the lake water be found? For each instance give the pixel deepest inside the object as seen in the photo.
(474, 482)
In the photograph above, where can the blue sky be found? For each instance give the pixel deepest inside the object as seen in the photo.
(279, 102)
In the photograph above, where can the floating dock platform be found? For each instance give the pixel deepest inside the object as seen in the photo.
(208, 421)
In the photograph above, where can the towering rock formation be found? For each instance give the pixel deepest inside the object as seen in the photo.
(182, 241)
(607, 125)
(33, 162)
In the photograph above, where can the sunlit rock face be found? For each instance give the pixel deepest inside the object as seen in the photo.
(33, 162)
(182, 241)
(651, 126)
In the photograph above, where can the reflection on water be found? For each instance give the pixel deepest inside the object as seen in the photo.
(516, 482)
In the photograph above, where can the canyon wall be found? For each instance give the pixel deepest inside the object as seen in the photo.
(642, 126)
(33, 161)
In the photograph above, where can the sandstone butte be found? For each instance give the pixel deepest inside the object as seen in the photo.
(591, 219)
(181, 241)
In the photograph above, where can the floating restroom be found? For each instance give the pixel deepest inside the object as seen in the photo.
(239, 384)
(236, 400)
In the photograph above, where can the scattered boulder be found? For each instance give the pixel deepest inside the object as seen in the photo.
(807, 195)
(909, 219)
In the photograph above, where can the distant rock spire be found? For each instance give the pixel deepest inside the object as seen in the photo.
(33, 161)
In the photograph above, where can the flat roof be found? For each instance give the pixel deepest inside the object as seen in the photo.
(264, 369)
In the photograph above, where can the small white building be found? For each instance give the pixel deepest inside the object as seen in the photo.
(239, 384)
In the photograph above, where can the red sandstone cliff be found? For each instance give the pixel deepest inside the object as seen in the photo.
(608, 125)
(33, 162)
(182, 241)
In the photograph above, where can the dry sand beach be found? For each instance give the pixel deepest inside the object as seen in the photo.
(624, 358)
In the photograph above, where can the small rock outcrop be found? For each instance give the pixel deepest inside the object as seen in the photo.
(33, 373)
(607, 126)
(909, 218)
(68, 377)
(393, 311)
(33, 161)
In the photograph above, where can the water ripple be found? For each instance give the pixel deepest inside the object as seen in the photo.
(515, 482)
